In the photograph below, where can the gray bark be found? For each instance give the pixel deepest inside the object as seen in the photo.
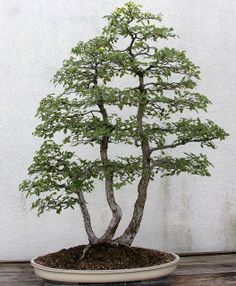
(114, 207)
(116, 212)
(87, 220)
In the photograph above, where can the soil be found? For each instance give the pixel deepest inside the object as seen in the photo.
(104, 257)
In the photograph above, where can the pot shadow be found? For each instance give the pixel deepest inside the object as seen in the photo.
(165, 281)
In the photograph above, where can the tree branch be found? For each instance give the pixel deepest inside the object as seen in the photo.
(183, 142)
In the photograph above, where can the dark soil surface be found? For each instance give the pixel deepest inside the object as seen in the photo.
(104, 257)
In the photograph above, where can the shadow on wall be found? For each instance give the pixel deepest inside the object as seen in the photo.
(228, 223)
(176, 212)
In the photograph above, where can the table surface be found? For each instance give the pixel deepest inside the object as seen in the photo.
(197, 270)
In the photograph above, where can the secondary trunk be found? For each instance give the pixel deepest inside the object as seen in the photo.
(129, 234)
(116, 213)
(87, 220)
(114, 207)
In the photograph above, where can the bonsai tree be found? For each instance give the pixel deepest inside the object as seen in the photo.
(152, 115)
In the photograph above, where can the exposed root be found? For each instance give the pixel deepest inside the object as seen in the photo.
(116, 243)
(85, 251)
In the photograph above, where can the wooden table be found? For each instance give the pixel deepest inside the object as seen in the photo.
(197, 270)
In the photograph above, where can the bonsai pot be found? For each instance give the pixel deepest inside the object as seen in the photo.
(105, 276)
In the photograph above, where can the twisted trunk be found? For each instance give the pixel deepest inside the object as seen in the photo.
(114, 207)
(116, 212)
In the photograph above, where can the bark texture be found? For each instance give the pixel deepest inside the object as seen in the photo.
(114, 207)
(87, 220)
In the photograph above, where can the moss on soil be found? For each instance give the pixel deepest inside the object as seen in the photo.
(104, 257)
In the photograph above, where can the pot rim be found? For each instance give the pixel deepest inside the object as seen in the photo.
(113, 271)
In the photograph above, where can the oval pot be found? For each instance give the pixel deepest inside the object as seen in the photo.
(105, 276)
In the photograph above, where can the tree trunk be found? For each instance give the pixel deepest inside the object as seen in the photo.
(87, 220)
(129, 234)
(115, 208)
(116, 212)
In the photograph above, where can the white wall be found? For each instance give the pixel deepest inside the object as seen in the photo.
(184, 213)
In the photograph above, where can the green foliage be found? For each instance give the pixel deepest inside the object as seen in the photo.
(57, 178)
(190, 163)
(128, 47)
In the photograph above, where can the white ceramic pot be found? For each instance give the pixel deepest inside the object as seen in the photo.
(105, 276)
